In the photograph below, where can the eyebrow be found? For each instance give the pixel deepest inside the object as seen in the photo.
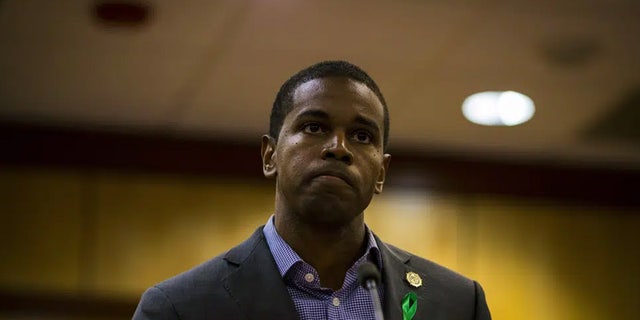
(313, 114)
(325, 116)
(367, 122)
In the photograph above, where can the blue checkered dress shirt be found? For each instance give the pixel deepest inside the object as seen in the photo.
(310, 299)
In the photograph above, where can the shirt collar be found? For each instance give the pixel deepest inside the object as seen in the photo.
(286, 257)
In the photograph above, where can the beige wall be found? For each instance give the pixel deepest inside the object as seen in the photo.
(114, 234)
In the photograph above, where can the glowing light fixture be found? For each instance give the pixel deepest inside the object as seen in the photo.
(498, 108)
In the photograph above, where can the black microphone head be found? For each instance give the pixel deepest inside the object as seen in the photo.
(368, 271)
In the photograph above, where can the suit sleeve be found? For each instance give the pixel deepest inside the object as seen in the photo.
(482, 310)
(155, 305)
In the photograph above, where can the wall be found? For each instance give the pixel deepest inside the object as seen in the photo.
(111, 235)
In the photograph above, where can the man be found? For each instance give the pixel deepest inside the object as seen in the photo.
(326, 151)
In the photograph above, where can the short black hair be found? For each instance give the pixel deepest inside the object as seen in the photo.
(284, 99)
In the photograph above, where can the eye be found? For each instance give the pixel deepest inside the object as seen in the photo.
(312, 127)
(362, 136)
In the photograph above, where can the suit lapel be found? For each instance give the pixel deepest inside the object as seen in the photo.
(395, 267)
(259, 290)
(256, 284)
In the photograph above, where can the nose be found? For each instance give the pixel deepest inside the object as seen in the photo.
(337, 149)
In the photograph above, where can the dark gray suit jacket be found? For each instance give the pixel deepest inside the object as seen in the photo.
(245, 283)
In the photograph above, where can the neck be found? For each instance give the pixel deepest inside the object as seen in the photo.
(331, 250)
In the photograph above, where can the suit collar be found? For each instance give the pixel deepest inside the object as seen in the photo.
(395, 268)
(259, 290)
(256, 284)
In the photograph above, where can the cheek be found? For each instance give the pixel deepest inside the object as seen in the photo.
(371, 171)
(292, 142)
(291, 158)
(377, 167)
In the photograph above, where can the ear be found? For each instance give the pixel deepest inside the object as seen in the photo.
(383, 172)
(268, 152)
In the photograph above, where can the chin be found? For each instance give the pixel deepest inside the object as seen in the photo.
(330, 213)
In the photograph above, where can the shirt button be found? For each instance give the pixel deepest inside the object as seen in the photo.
(336, 301)
(309, 277)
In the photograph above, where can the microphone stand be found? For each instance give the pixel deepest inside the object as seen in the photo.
(369, 277)
(377, 307)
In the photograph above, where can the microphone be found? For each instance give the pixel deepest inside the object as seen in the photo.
(369, 278)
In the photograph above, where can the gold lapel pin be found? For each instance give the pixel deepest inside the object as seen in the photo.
(414, 279)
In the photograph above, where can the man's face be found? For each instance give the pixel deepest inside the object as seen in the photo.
(329, 159)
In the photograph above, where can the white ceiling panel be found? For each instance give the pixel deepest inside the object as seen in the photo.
(213, 67)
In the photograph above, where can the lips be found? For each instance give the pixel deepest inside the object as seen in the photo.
(335, 173)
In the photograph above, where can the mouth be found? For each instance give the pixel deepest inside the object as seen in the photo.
(333, 175)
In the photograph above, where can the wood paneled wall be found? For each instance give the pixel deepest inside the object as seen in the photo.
(108, 235)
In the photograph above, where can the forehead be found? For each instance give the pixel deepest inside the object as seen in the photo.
(337, 94)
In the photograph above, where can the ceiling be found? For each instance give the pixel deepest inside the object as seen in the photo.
(212, 68)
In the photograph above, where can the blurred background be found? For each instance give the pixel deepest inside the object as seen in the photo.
(130, 137)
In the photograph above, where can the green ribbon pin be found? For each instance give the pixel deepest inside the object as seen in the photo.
(409, 305)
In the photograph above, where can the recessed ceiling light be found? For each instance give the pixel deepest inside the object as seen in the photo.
(498, 108)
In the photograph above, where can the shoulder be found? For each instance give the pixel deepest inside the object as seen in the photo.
(449, 292)
(198, 291)
(204, 276)
(435, 273)
(190, 292)
(201, 276)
